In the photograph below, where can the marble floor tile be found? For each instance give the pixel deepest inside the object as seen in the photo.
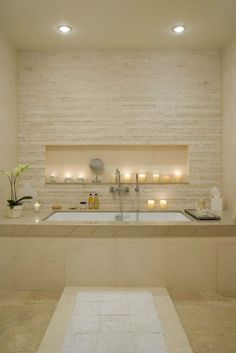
(209, 321)
(24, 317)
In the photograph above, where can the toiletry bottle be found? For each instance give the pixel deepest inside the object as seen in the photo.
(96, 202)
(91, 202)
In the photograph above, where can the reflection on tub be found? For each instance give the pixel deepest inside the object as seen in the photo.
(118, 216)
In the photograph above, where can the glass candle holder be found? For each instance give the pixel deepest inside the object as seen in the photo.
(163, 204)
(166, 179)
(142, 177)
(52, 178)
(36, 207)
(156, 177)
(151, 204)
(177, 177)
(127, 178)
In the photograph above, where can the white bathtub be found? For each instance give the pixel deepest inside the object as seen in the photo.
(117, 216)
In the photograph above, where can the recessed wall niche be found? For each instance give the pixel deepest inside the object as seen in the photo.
(153, 163)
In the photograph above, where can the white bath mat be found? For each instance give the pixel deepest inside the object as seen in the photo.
(115, 322)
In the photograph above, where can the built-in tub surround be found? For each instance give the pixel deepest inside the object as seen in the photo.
(191, 256)
(120, 98)
(118, 216)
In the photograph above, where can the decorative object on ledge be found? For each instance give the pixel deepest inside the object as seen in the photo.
(216, 200)
(15, 204)
(203, 215)
(56, 206)
(97, 166)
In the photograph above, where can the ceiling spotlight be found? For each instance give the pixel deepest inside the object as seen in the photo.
(64, 28)
(179, 29)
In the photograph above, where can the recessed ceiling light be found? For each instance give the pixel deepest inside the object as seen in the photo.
(64, 28)
(179, 29)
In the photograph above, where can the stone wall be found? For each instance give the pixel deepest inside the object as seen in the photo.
(8, 112)
(105, 97)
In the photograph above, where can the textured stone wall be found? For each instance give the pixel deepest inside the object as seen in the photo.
(229, 124)
(8, 113)
(149, 97)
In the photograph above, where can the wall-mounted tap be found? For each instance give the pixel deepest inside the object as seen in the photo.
(118, 178)
(137, 185)
(119, 188)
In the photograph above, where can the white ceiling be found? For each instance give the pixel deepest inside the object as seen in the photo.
(118, 24)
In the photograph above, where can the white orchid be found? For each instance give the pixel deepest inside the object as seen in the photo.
(12, 176)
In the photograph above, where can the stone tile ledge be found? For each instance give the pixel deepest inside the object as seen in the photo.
(32, 224)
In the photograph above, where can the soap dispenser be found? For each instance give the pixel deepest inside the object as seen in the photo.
(96, 202)
(91, 202)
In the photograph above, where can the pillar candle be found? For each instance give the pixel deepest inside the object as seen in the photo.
(151, 204)
(142, 177)
(163, 204)
(178, 176)
(156, 177)
(127, 178)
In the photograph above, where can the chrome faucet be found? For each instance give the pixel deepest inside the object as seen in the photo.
(137, 185)
(118, 178)
(119, 188)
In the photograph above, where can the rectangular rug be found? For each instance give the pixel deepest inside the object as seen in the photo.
(115, 322)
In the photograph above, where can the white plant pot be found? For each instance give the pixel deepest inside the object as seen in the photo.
(15, 212)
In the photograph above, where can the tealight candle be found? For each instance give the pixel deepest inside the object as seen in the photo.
(178, 176)
(151, 204)
(68, 178)
(81, 179)
(52, 178)
(37, 207)
(142, 177)
(163, 204)
(127, 178)
(166, 178)
(156, 177)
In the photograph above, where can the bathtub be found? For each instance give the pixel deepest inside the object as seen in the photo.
(117, 216)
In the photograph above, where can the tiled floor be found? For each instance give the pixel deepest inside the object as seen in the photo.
(24, 317)
(208, 319)
(175, 338)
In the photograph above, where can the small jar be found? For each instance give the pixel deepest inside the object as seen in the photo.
(83, 205)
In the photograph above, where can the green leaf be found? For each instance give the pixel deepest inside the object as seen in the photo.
(12, 203)
(24, 198)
